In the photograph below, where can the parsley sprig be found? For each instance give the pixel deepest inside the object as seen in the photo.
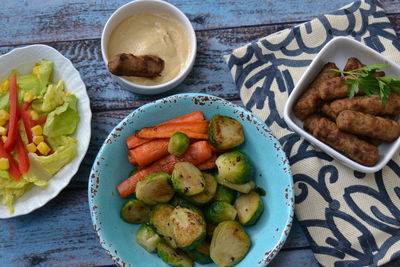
(364, 78)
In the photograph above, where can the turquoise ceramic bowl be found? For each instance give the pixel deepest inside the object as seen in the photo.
(272, 173)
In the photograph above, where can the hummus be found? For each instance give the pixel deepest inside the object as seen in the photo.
(152, 34)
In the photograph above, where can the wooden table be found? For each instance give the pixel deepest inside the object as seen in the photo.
(61, 233)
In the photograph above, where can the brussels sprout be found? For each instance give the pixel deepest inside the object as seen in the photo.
(147, 238)
(187, 179)
(208, 193)
(230, 243)
(249, 208)
(225, 132)
(242, 188)
(155, 189)
(220, 211)
(210, 230)
(178, 201)
(174, 257)
(178, 143)
(135, 211)
(201, 254)
(225, 194)
(159, 218)
(188, 228)
(234, 167)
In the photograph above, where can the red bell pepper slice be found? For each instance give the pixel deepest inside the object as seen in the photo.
(14, 171)
(13, 126)
(22, 154)
(40, 121)
(27, 120)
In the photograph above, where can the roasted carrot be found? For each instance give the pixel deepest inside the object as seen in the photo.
(208, 164)
(131, 158)
(150, 152)
(194, 116)
(190, 128)
(134, 141)
(197, 153)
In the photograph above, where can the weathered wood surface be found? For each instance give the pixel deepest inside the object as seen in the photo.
(61, 233)
(60, 20)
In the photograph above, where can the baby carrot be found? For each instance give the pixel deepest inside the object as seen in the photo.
(193, 129)
(196, 153)
(150, 152)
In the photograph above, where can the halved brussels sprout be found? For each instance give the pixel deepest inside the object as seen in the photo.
(225, 132)
(178, 201)
(159, 218)
(178, 143)
(230, 243)
(174, 257)
(242, 188)
(135, 211)
(147, 238)
(155, 189)
(201, 254)
(208, 193)
(234, 167)
(220, 211)
(225, 194)
(188, 227)
(187, 179)
(249, 208)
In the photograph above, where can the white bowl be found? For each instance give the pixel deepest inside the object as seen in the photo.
(338, 51)
(23, 59)
(152, 6)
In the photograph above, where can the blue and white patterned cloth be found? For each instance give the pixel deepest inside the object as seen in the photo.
(349, 218)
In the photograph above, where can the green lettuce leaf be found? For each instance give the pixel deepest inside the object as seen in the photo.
(5, 100)
(44, 74)
(63, 120)
(53, 97)
(65, 149)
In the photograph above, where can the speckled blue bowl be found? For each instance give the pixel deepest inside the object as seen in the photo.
(272, 172)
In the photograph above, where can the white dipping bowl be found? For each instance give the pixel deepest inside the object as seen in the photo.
(151, 6)
(338, 51)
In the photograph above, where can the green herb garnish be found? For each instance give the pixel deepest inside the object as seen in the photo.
(365, 79)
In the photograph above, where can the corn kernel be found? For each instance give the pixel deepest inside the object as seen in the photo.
(37, 130)
(2, 122)
(34, 115)
(4, 86)
(38, 139)
(68, 94)
(4, 115)
(4, 138)
(31, 147)
(36, 71)
(28, 97)
(43, 148)
(3, 131)
(4, 164)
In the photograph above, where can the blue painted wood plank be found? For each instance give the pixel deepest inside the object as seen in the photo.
(210, 73)
(60, 20)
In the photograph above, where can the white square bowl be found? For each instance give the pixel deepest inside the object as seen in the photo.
(338, 51)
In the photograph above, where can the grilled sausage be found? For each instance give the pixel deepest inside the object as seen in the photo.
(131, 65)
(368, 125)
(328, 112)
(309, 101)
(370, 105)
(335, 88)
(352, 64)
(351, 146)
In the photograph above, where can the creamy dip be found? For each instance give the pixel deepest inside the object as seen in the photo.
(152, 34)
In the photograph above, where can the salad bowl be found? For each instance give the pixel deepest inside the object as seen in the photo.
(23, 59)
(111, 167)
